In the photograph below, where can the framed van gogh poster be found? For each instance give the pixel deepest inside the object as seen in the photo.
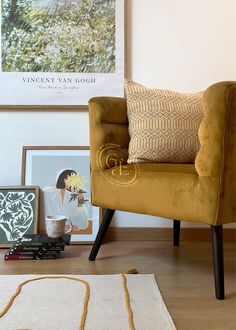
(63, 174)
(60, 52)
(18, 213)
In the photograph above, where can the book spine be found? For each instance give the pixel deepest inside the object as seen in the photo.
(18, 257)
(15, 252)
(32, 257)
(40, 244)
(31, 253)
(37, 248)
(33, 238)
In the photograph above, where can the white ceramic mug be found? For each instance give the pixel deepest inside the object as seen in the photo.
(55, 225)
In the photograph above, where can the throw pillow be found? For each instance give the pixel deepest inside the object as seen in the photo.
(163, 125)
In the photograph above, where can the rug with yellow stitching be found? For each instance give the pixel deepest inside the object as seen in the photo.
(82, 302)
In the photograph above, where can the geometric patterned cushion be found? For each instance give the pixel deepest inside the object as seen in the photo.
(163, 125)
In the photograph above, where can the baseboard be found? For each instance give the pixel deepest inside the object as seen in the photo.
(164, 234)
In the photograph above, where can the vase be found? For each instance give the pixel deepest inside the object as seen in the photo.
(82, 217)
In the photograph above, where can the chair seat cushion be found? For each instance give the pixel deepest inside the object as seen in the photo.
(165, 190)
(163, 125)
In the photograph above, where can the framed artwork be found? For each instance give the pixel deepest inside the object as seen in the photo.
(59, 54)
(19, 208)
(63, 174)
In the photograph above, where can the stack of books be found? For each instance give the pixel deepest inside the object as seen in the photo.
(31, 247)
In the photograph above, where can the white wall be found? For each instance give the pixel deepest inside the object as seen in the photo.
(183, 45)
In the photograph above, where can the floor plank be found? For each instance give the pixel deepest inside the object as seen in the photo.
(184, 276)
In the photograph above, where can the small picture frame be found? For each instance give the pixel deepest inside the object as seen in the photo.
(19, 208)
(63, 175)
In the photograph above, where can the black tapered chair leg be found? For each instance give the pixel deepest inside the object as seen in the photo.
(218, 260)
(176, 232)
(101, 233)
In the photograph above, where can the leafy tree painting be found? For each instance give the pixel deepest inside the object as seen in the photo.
(16, 214)
(58, 36)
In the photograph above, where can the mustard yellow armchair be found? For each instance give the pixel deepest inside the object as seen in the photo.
(202, 192)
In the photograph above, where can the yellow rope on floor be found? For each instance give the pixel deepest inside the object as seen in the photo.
(127, 302)
(86, 298)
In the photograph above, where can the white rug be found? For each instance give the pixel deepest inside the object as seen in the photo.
(58, 304)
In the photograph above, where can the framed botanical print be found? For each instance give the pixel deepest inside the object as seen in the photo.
(63, 174)
(60, 53)
(18, 213)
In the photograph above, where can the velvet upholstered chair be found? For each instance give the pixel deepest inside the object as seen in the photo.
(203, 192)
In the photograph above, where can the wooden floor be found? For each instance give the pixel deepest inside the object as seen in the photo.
(184, 276)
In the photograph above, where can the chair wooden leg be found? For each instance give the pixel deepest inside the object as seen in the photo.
(101, 233)
(218, 260)
(176, 232)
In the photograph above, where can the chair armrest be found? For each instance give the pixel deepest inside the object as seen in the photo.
(217, 132)
(108, 125)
